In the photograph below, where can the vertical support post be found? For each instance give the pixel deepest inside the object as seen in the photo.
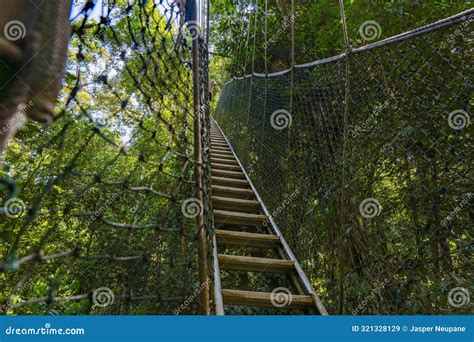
(219, 303)
(199, 174)
(342, 252)
(293, 62)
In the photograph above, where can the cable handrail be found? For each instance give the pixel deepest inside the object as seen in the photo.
(467, 15)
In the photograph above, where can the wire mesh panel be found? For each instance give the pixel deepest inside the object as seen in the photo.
(376, 203)
(99, 209)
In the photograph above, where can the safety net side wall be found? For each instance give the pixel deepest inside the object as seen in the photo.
(375, 201)
(98, 209)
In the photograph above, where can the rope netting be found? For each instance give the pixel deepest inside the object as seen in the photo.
(373, 198)
(99, 208)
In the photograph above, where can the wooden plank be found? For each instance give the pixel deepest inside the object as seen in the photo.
(264, 299)
(227, 191)
(221, 149)
(225, 167)
(236, 183)
(231, 238)
(232, 190)
(224, 161)
(228, 152)
(253, 264)
(239, 218)
(223, 155)
(235, 204)
(228, 174)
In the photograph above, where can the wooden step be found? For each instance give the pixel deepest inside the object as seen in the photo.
(225, 158)
(219, 144)
(235, 204)
(227, 191)
(230, 238)
(232, 217)
(253, 264)
(220, 150)
(228, 174)
(264, 299)
(223, 155)
(236, 183)
(225, 167)
(224, 161)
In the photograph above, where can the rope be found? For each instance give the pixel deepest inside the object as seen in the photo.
(456, 19)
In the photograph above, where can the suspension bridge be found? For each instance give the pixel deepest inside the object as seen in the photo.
(137, 199)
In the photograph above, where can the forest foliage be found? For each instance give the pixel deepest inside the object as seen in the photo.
(102, 189)
(98, 194)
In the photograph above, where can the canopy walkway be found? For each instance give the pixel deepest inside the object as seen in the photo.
(334, 186)
(243, 225)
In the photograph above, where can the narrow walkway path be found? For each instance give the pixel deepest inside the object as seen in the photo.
(249, 250)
